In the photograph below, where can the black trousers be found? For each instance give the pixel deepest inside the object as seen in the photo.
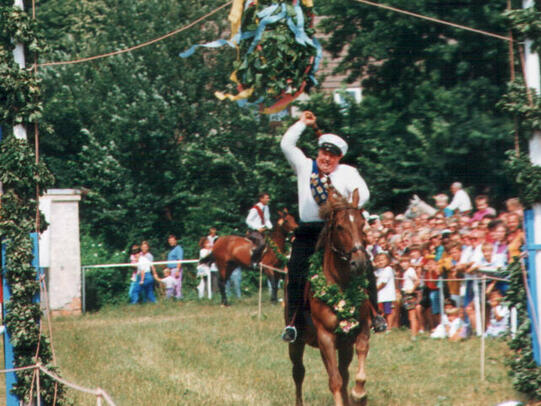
(304, 245)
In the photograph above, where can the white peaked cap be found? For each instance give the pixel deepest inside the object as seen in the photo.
(328, 141)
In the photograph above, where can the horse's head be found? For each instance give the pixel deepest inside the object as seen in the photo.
(344, 230)
(286, 221)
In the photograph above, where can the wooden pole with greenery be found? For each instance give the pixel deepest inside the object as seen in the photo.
(21, 175)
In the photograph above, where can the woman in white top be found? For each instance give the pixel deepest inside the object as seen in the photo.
(145, 280)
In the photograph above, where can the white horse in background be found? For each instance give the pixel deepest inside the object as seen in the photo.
(417, 207)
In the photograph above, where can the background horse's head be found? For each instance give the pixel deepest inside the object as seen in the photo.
(286, 221)
(343, 231)
(418, 207)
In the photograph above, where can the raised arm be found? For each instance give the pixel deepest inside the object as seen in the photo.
(293, 154)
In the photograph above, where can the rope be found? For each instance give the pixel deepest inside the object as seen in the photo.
(273, 268)
(435, 20)
(144, 44)
(96, 392)
(123, 265)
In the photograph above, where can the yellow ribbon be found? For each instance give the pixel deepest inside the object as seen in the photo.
(234, 97)
(308, 3)
(235, 16)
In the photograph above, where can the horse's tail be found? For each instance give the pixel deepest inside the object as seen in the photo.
(209, 259)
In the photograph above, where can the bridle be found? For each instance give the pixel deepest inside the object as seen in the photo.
(343, 255)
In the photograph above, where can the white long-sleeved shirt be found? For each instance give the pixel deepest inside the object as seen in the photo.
(461, 201)
(345, 179)
(253, 220)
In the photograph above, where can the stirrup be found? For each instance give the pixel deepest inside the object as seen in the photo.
(289, 334)
(379, 324)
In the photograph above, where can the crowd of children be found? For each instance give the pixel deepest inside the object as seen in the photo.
(429, 268)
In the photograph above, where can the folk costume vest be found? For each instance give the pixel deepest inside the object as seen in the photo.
(319, 185)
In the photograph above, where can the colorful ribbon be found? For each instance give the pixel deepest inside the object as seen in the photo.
(269, 15)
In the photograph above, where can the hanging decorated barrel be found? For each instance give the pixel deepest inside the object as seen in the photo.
(278, 53)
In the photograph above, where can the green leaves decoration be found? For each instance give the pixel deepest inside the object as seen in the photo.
(278, 65)
(345, 304)
(20, 175)
(524, 371)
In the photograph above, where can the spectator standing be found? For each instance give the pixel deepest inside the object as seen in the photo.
(452, 269)
(168, 281)
(513, 205)
(387, 221)
(203, 269)
(145, 280)
(432, 273)
(134, 258)
(515, 235)
(175, 254)
(482, 208)
(234, 282)
(461, 201)
(411, 293)
(386, 286)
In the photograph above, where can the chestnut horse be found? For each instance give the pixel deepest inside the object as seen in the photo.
(232, 251)
(344, 257)
(273, 255)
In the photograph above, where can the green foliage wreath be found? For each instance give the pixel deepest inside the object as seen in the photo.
(345, 304)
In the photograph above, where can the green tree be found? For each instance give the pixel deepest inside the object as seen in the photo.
(142, 132)
(428, 115)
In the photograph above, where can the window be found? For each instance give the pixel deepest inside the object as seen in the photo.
(343, 97)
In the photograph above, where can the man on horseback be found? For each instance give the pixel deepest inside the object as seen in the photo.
(258, 221)
(313, 180)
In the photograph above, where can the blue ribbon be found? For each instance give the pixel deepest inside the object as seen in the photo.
(214, 44)
(298, 29)
(219, 43)
(266, 19)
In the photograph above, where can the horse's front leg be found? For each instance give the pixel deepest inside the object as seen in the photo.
(296, 351)
(274, 287)
(345, 355)
(327, 348)
(358, 393)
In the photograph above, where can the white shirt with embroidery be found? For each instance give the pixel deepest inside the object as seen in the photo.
(345, 179)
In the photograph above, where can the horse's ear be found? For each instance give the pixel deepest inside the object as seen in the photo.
(355, 200)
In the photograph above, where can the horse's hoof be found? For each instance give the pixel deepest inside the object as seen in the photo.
(359, 400)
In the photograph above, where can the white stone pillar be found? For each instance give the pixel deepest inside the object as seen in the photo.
(60, 252)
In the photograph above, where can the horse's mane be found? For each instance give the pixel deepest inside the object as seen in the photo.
(338, 202)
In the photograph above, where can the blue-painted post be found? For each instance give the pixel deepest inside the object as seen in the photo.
(11, 378)
(532, 250)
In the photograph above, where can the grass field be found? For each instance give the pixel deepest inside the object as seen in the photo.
(198, 354)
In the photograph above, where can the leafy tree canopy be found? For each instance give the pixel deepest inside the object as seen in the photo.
(142, 134)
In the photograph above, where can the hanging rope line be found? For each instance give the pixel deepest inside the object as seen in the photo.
(435, 20)
(170, 34)
(144, 44)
